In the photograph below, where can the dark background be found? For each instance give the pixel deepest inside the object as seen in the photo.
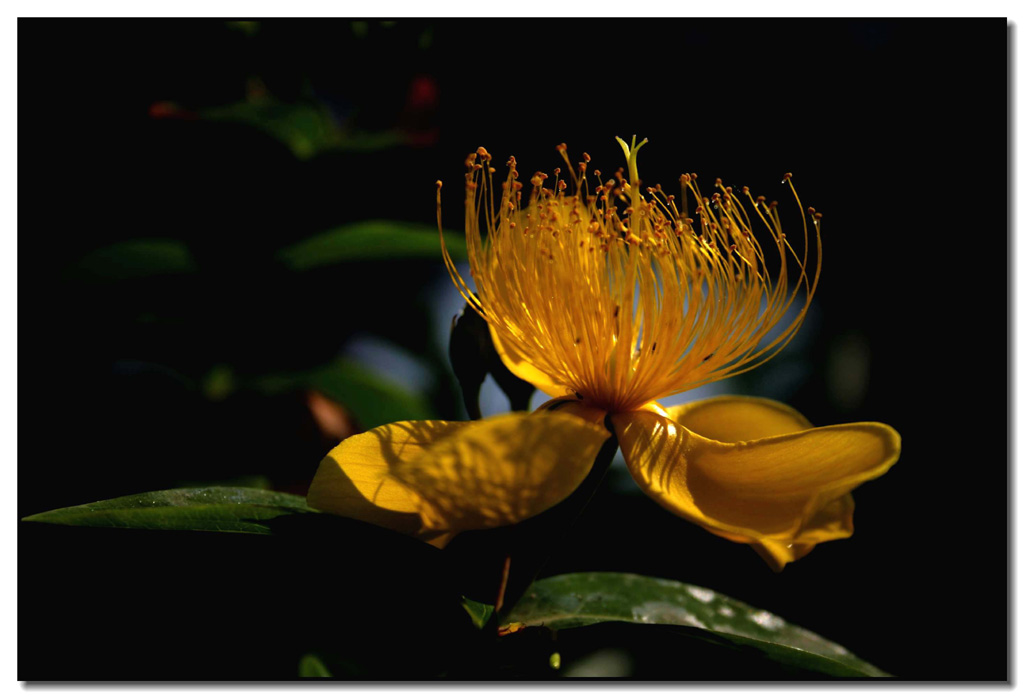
(235, 140)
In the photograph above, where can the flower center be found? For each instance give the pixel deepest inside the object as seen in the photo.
(624, 299)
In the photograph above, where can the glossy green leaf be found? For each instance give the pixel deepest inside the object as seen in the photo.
(372, 240)
(310, 667)
(371, 398)
(133, 259)
(228, 509)
(575, 600)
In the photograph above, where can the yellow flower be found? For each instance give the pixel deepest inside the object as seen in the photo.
(614, 300)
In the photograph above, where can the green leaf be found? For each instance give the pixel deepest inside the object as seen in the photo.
(575, 600)
(229, 509)
(478, 612)
(371, 240)
(373, 399)
(310, 667)
(133, 259)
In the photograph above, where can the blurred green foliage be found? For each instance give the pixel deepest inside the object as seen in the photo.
(372, 240)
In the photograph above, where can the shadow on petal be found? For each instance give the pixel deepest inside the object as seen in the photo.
(503, 469)
(355, 479)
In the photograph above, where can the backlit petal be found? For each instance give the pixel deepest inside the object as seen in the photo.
(502, 470)
(526, 371)
(832, 522)
(733, 418)
(355, 478)
(777, 490)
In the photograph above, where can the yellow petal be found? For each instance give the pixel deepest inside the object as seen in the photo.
(771, 488)
(502, 470)
(832, 522)
(526, 371)
(355, 478)
(733, 418)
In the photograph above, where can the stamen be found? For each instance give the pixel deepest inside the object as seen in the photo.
(700, 299)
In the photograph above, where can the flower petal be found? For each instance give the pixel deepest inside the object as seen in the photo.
(526, 371)
(733, 418)
(355, 478)
(502, 470)
(832, 522)
(779, 488)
